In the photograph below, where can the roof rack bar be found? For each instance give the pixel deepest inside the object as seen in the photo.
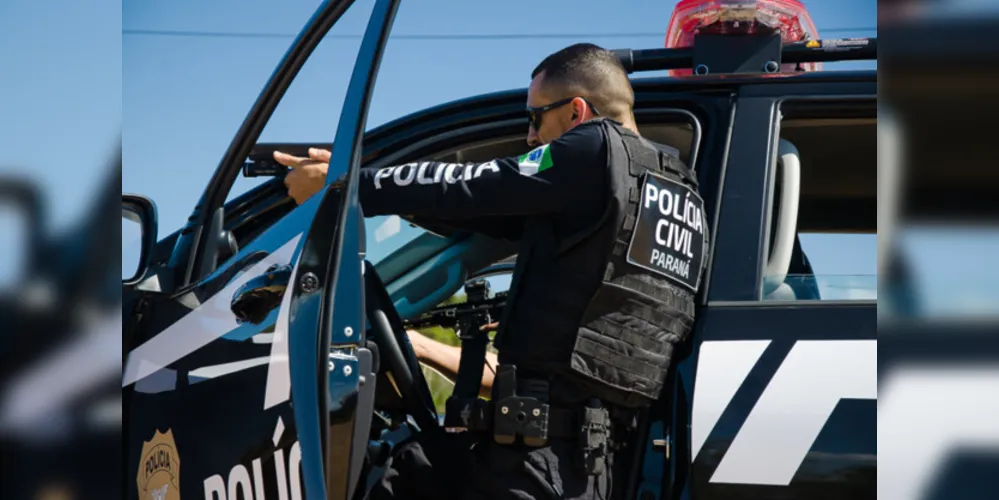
(833, 50)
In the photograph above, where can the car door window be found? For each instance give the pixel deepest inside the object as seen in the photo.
(309, 110)
(833, 246)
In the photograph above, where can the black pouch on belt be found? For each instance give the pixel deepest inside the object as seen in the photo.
(594, 438)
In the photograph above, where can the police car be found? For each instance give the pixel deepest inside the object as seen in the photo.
(264, 346)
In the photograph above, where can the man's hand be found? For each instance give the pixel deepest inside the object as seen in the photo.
(307, 176)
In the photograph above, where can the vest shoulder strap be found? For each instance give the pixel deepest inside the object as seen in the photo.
(643, 156)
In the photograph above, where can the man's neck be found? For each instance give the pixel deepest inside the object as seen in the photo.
(628, 124)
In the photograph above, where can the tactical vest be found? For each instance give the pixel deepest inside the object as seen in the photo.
(601, 306)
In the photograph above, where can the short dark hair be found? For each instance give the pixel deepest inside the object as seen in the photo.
(589, 71)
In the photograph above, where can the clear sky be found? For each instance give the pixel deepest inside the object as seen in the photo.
(60, 97)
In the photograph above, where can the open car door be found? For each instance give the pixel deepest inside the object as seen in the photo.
(247, 364)
(331, 368)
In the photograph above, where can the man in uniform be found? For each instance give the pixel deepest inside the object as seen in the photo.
(613, 238)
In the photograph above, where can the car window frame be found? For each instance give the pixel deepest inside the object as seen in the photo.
(191, 260)
(745, 197)
(805, 98)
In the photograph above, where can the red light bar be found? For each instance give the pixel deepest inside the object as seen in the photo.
(742, 17)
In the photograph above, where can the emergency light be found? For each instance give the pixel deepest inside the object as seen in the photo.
(739, 18)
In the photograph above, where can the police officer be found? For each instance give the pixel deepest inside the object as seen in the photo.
(613, 237)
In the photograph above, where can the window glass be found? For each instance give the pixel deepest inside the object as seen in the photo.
(386, 234)
(939, 238)
(936, 271)
(844, 265)
(309, 111)
(833, 242)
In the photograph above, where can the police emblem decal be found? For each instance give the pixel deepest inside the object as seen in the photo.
(159, 468)
(537, 160)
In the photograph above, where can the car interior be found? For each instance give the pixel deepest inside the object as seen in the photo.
(838, 173)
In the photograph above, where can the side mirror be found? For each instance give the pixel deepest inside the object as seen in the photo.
(138, 237)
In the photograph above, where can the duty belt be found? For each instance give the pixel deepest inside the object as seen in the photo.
(478, 415)
(527, 415)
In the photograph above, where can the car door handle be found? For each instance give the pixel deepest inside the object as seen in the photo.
(254, 301)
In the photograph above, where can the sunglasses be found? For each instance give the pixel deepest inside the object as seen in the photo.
(534, 114)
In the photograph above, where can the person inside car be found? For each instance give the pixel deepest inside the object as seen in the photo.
(612, 238)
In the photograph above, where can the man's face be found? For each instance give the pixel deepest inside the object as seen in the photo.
(555, 121)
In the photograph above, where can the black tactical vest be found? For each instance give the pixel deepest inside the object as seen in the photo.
(599, 308)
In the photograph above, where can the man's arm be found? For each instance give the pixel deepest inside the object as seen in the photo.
(445, 359)
(308, 177)
(559, 177)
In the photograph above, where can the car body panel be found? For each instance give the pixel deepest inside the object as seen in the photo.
(784, 401)
(194, 371)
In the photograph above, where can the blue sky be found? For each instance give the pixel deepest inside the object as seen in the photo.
(60, 108)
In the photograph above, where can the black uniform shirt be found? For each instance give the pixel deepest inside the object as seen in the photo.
(565, 177)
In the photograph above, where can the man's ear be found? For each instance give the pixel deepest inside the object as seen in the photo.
(578, 110)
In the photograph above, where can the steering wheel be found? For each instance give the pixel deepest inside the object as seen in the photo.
(396, 352)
